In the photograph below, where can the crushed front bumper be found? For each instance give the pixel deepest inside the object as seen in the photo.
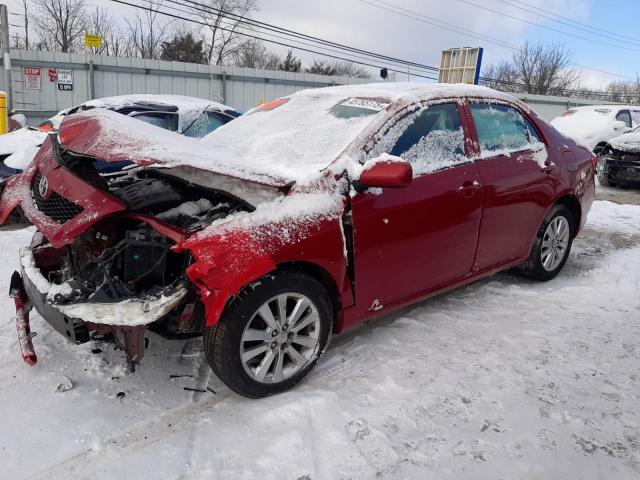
(126, 319)
(620, 171)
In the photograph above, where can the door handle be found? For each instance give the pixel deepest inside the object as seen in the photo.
(468, 188)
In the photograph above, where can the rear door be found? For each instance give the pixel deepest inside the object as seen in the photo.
(418, 238)
(518, 182)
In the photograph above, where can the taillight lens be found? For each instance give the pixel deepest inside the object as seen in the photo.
(594, 161)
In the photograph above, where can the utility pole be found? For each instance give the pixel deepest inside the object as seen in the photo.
(6, 57)
(26, 25)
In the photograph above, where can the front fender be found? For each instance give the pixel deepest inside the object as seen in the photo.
(238, 251)
(222, 266)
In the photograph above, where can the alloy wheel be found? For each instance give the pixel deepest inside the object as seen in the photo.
(555, 243)
(281, 338)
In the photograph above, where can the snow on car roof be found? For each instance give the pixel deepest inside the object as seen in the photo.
(183, 103)
(305, 132)
(189, 108)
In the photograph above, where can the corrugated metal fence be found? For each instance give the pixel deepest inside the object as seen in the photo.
(41, 81)
(47, 82)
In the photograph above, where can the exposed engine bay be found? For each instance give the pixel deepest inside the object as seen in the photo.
(121, 276)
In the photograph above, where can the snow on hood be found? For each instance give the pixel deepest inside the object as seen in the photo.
(302, 134)
(629, 142)
(113, 137)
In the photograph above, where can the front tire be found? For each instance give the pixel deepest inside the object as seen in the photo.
(603, 178)
(270, 335)
(552, 245)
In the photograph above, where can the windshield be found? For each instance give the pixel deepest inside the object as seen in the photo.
(294, 136)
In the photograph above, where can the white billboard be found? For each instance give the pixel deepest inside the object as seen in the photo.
(461, 65)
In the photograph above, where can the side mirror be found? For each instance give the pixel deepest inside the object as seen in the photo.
(619, 126)
(387, 174)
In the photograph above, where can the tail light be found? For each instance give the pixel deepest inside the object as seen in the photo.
(594, 161)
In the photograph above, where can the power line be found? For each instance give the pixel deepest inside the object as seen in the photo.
(251, 27)
(571, 23)
(263, 25)
(413, 14)
(255, 23)
(443, 25)
(178, 17)
(539, 25)
(634, 39)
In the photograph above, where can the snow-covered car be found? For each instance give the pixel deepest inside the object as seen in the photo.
(193, 117)
(595, 125)
(619, 160)
(305, 217)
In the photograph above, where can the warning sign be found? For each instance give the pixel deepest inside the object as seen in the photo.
(65, 79)
(53, 74)
(32, 78)
(94, 41)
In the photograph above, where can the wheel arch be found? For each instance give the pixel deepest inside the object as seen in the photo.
(599, 147)
(573, 205)
(322, 276)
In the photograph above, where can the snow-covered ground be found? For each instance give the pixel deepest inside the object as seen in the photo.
(503, 379)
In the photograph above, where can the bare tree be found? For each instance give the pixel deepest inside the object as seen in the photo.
(223, 20)
(625, 91)
(60, 23)
(543, 69)
(254, 54)
(338, 68)
(147, 31)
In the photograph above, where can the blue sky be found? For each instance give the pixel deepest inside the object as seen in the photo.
(619, 16)
(362, 24)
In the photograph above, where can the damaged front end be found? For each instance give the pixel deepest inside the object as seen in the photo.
(104, 260)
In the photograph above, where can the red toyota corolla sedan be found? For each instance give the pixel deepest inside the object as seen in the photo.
(303, 218)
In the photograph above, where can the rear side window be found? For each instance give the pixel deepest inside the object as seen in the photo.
(430, 139)
(624, 116)
(166, 120)
(206, 123)
(502, 128)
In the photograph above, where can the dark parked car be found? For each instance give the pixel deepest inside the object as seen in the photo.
(304, 217)
(190, 116)
(619, 161)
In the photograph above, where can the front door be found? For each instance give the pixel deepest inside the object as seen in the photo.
(411, 240)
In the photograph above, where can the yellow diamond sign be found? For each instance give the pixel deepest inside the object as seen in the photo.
(94, 41)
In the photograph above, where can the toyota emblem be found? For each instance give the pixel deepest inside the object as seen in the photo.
(43, 186)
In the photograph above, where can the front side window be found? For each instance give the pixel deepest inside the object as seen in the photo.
(430, 139)
(502, 128)
(635, 115)
(624, 116)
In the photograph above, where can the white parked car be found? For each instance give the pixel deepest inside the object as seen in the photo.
(595, 125)
(189, 116)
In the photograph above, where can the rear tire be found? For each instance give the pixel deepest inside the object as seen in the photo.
(253, 322)
(552, 245)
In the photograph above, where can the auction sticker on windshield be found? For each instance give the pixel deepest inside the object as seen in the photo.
(366, 103)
